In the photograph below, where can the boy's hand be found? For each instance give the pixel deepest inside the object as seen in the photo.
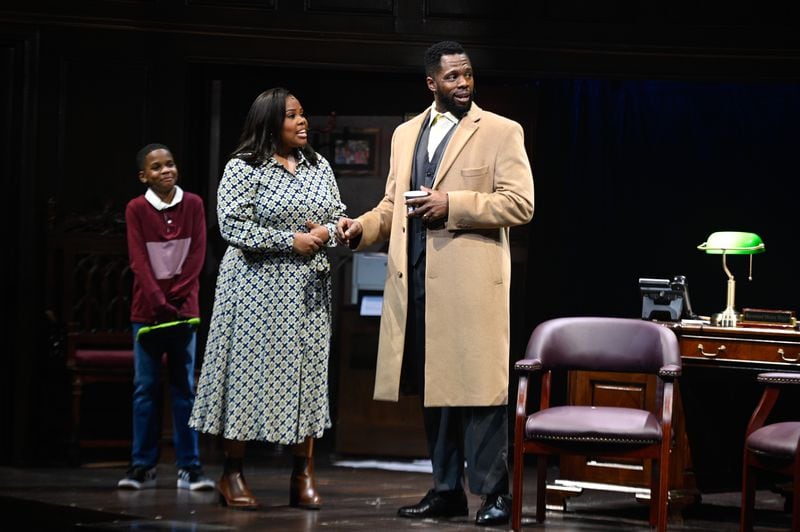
(166, 313)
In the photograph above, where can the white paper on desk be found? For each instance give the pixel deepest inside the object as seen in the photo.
(371, 305)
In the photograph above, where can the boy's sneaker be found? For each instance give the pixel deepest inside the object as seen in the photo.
(138, 477)
(192, 478)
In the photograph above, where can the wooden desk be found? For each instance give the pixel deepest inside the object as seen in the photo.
(715, 397)
(767, 349)
(719, 393)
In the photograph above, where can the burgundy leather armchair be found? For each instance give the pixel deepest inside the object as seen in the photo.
(596, 344)
(771, 447)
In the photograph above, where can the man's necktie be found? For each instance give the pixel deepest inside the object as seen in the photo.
(439, 128)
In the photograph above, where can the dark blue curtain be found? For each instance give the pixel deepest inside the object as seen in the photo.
(632, 175)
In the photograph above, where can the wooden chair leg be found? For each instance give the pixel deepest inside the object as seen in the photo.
(541, 487)
(75, 420)
(796, 497)
(662, 503)
(516, 500)
(748, 496)
(653, 513)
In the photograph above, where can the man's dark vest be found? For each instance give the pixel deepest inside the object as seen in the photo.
(423, 174)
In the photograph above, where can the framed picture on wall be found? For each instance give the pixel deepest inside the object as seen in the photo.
(355, 151)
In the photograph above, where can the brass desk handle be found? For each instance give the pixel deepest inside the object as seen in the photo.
(720, 351)
(782, 353)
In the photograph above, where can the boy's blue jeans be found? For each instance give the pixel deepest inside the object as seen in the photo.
(179, 344)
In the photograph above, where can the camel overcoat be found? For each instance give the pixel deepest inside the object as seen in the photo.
(487, 176)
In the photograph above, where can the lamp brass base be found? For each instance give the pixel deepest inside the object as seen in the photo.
(726, 318)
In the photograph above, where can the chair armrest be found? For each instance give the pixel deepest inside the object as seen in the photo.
(769, 397)
(670, 371)
(775, 377)
(528, 365)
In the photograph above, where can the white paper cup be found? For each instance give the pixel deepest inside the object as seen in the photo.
(411, 194)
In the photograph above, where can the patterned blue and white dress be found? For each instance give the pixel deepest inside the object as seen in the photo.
(265, 369)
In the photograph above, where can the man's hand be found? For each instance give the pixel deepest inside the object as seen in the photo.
(347, 229)
(433, 209)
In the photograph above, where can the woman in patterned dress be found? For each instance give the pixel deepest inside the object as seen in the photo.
(265, 369)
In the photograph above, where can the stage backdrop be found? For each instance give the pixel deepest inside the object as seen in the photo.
(632, 175)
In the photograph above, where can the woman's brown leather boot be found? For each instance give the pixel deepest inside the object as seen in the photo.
(303, 485)
(232, 487)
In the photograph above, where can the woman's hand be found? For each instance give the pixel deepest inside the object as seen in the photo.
(306, 244)
(319, 231)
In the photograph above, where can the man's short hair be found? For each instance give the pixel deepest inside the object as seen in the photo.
(433, 55)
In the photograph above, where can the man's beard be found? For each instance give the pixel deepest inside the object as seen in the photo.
(449, 103)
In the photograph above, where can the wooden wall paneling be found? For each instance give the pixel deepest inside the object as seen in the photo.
(23, 329)
(168, 94)
(465, 21)
(385, 7)
(266, 5)
(384, 18)
(617, 11)
(726, 12)
(92, 116)
(651, 39)
(103, 119)
(536, 23)
(474, 9)
(365, 17)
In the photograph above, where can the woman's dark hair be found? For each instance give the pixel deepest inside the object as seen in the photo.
(262, 129)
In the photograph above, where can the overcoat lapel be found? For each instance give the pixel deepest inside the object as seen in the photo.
(406, 152)
(465, 129)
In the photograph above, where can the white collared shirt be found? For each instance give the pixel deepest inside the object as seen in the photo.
(153, 199)
(441, 123)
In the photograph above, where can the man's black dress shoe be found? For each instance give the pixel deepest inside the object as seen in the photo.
(437, 504)
(495, 510)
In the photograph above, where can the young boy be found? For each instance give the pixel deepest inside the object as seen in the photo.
(166, 246)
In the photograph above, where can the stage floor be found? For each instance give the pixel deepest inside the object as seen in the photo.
(354, 499)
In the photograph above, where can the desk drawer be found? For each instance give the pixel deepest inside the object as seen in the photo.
(732, 349)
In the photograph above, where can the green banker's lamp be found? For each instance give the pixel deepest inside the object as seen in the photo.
(731, 243)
